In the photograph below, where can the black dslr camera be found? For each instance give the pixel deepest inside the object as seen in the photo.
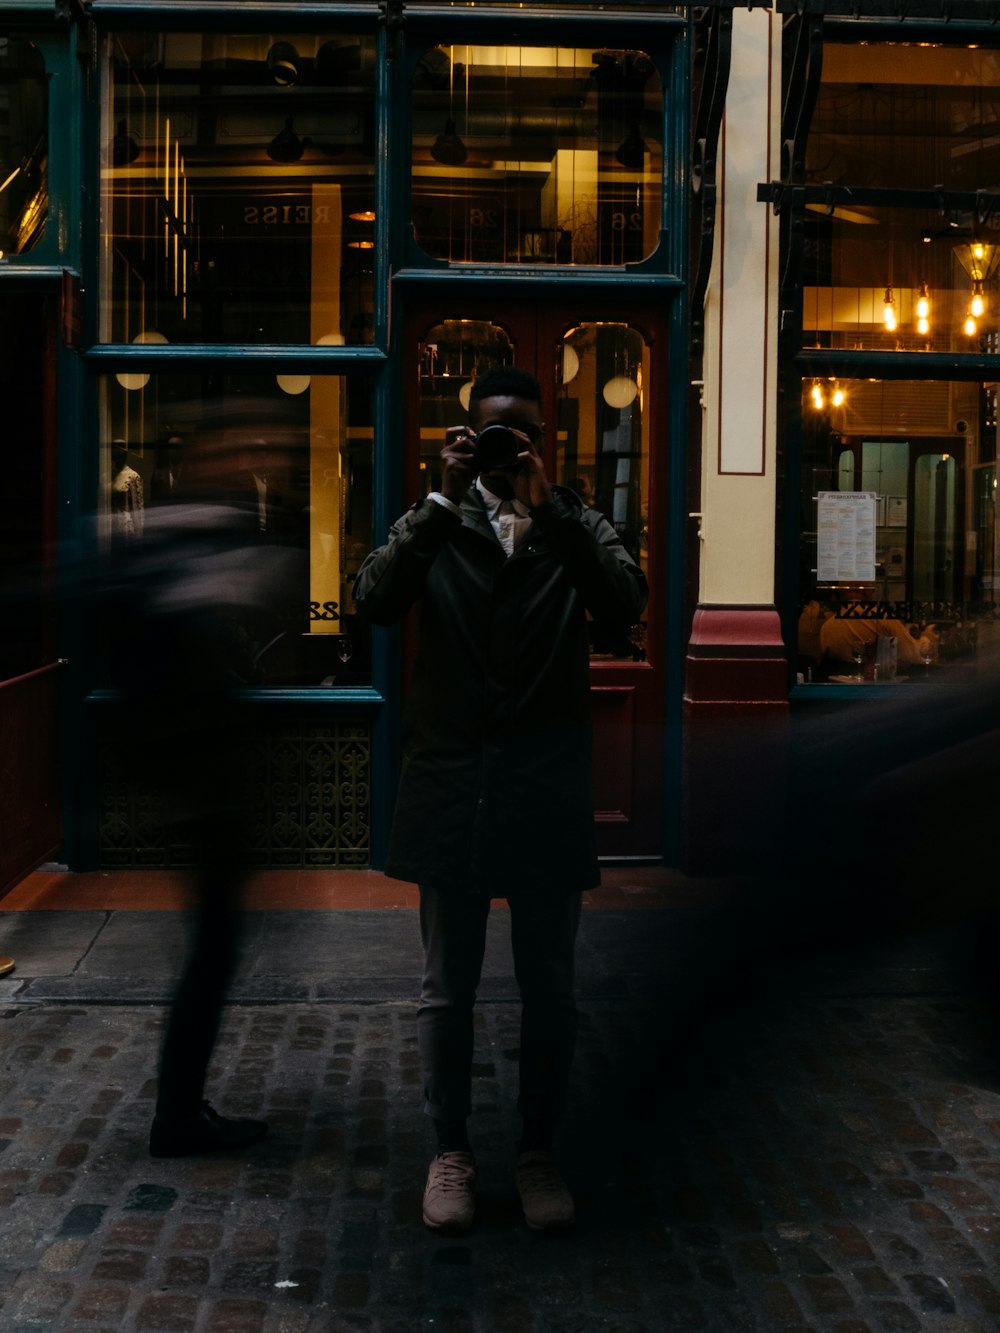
(496, 446)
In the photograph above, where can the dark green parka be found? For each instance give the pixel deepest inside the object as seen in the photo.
(495, 792)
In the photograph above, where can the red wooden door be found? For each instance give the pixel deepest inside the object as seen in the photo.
(600, 372)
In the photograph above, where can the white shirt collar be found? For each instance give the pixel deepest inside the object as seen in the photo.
(493, 502)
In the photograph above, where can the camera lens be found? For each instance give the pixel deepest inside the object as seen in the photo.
(496, 446)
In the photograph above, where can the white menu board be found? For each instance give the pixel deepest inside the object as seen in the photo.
(845, 537)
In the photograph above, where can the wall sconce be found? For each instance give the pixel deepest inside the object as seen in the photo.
(818, 398)
(124, 149)
(286, 146)
(284, 65)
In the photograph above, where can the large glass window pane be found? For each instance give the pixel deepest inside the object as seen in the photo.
(289, 471)
(926, 451)
(238, 189)
(899, 116)
(537, 155)
(24, 146)
(900, 280)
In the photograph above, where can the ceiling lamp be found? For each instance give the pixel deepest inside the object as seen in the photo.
(889, 310)
(631, 152)
(284, 65)
(816, 394)
(124, 149)
(286, 146)
(139, 379)
(923, 310)
(293, 384)
(448, 148)
(620, 391)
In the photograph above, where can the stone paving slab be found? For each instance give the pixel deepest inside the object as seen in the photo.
(794, 1161)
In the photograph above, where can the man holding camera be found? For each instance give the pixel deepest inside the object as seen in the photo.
(495, 795)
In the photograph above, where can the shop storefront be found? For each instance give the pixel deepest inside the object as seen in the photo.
(749, 249)
(275, 247)
(890, 353)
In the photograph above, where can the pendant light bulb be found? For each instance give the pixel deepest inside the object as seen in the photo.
(838, 396)
(817, 396)
(923, 305)
(923, 325)
(969, 327)
(977, 305)
(889, 310)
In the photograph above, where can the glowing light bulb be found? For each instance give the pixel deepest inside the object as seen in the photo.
(923, 325)
(889, 310)
(969, 327)
(923, 304)
(838, 397)
(817, 396)
(977, 305)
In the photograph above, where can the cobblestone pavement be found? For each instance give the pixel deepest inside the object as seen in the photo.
(822, 1156)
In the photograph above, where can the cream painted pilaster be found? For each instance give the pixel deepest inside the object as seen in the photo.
(741, 326)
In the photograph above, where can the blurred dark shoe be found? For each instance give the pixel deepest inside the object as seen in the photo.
(205, 1132)
(547, 1203)
(6, 965)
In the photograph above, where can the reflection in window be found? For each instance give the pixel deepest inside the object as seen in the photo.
(24, 146)
(450, 356)
(536, 155)
(927, 449)
(603, 443)
(906, 117)
(295, 471)
(238, 200)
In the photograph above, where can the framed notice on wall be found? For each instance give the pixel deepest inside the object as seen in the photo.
(845, 537)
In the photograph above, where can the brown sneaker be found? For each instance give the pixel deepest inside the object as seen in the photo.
(450, 1192)
(547, 1203)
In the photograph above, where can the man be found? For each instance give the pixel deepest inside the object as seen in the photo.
(495, 797)
(183, 611)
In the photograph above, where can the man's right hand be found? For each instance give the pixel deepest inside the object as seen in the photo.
(457, 466)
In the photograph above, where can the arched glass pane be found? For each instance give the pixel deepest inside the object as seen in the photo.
(450, 357)
(24, 146)
(603, 443)
(537, 155)
(238, 199)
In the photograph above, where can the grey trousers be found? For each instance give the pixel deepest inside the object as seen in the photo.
(543, 937)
